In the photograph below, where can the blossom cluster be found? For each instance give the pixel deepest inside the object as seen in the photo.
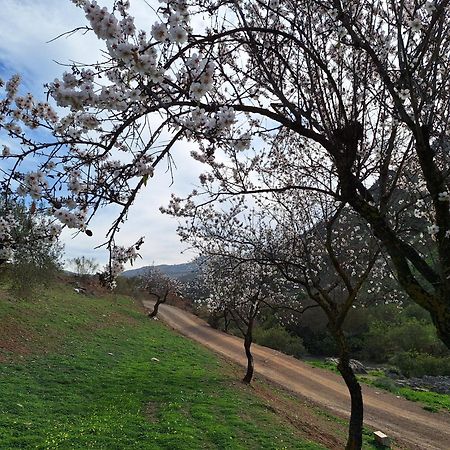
(7, 222)
(72, 219)
(119, 256)
(294, 81)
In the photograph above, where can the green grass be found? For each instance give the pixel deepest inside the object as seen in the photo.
(84, 378)
(431, 401)
(321, 364)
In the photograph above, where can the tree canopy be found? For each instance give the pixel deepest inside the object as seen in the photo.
(351, 92)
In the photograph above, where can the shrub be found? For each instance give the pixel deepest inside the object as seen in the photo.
(385, 383)
(278, 338)
(413, 364)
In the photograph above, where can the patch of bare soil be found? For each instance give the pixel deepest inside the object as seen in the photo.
(14, 339)
(151, 411)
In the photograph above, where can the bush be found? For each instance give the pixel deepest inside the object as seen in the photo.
(386, 384)
(409, 335)
(278, 338)
(26, 277)
(413, 364)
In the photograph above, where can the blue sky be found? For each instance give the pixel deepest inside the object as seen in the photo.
(27, 27)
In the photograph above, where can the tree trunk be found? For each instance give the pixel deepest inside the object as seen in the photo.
(441, 320)
(354, 440)
(226, 322)
(156, 307)
(248, 339)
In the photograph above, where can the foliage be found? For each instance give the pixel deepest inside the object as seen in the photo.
(392, 329)
(129, 286)
(30, 245)
(84, 266)
(278, 338)
(413, 364)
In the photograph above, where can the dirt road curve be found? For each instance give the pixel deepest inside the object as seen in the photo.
(404, 420)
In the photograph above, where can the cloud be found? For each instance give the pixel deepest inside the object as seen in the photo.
(25, 48)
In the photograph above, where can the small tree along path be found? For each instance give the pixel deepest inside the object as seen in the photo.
(404, 420)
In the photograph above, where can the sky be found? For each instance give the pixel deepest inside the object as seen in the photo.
(27, 27)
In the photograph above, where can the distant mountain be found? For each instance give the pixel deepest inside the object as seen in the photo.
(181, 272)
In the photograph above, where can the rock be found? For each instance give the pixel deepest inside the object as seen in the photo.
(439, 384)
(355, 365)
(334, 361)
(382, 439)
(392, 373)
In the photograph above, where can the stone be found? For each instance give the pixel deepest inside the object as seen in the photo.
(355, 365)
(382, 439)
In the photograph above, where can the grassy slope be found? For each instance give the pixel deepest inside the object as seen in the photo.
(77, 372)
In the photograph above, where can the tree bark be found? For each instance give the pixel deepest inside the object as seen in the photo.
(248, 339)
(226, 322)
(441, 320)
(354, 440)
(155, 309)
(159, 300)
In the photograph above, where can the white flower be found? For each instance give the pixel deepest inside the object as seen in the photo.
(403, 94)
(342, 32)
(197, 90)
(6, 151)
(415, 24)
(444, 196)
(159, 32)
(433, 229)
(177, 34)
(430, 7)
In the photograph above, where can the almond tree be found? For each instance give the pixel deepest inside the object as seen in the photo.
(240, 288)
(331, 264)
(322, 250)
(362, 85)
(158, 285)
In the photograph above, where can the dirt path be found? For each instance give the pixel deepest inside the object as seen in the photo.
(406, 421)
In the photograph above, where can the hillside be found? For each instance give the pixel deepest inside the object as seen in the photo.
(182, 272)
(85, 371)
